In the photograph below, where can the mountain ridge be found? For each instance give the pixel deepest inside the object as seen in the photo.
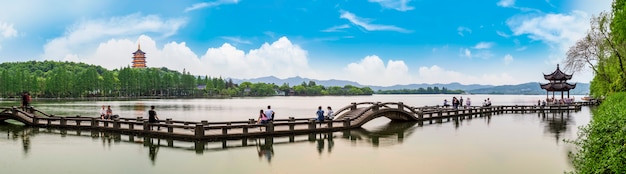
(530, 88)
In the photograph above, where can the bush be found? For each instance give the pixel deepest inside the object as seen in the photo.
(602, 143)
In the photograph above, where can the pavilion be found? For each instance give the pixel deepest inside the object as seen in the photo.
(557, 82)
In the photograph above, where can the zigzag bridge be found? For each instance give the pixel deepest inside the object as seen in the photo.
(352, 116)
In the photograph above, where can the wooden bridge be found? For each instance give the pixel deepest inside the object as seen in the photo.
(351, 116)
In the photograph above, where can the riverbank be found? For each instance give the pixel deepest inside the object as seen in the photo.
(602, 144)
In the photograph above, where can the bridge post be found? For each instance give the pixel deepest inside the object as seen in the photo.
(292, 122)
(224, 131)
(205, 123)
(311, 124)
(270, 127)
(146, 125)
(376, 106)
(346, 123)
(330, 124)
(400, 106)
(199, 132)
(251, 121)
(116, 123)
(170, 129)
(63, 121)
(420, 115)
(353, 107)
(35, 120)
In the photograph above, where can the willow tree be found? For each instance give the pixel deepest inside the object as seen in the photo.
(602, 50)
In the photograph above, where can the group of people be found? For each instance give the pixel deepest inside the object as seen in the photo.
(320, 114)
(457, 103)
(487, 102)
(266, 116)
(555, 101)
(107, 114)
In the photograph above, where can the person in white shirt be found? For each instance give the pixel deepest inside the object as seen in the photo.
(330, 115)
(269, 113)
(103, 112)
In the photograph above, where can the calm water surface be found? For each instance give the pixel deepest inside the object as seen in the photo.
(506, 143)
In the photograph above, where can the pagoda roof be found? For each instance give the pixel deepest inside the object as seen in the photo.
(139, 52)
(558, 86)
(557, 75)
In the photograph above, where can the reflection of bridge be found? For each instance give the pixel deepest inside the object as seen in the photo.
(351, 116)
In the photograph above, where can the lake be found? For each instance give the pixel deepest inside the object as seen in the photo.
(504, 143)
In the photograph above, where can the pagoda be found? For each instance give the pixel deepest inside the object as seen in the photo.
(139, 58)
(558, 82)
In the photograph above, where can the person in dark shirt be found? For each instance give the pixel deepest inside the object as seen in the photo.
(153, 118)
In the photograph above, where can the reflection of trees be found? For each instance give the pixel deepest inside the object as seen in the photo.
(16, 132)
(556, 123)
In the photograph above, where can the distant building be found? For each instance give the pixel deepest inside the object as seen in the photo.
(557, 82)
(139, 58)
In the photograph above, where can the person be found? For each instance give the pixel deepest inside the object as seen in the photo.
(269, 113)
(103, 112)
(109, 113)
(543, 103)
(488, 102)
(25, 100)
(330, 115)
(153, 118)
(468, 103)
(455, 103)
(445, 103)
(538, 102)
(485, 103)
(262, 118)
(320, 114)
(461, 102)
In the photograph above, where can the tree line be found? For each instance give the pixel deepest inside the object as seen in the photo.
(428, 90)
(51, 79)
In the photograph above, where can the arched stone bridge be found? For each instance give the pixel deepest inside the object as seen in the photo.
(351, 116)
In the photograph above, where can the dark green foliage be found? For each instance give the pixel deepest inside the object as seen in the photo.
(602, 144)
(428, 90)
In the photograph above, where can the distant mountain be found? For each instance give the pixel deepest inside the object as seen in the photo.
(531, 88)
(298, 80)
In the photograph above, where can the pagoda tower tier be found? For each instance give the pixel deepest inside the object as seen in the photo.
(139, 58)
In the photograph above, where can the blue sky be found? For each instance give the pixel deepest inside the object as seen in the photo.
(373, 42)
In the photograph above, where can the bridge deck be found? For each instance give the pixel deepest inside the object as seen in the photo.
(349, 117)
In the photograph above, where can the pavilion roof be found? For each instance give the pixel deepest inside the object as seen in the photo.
(558, 86)
(557, 75)
(139, 52)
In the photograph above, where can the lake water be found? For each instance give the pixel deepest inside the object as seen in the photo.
(505, 143)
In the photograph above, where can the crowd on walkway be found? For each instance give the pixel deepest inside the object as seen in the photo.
(458, 103)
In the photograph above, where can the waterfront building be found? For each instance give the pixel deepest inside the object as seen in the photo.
(557, 83)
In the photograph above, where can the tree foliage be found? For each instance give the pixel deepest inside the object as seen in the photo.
(603, 50)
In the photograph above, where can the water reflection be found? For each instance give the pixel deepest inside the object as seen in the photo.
(387, 134)
(556, 123)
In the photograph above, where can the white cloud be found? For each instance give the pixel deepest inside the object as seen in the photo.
(507, 59)
(436, 74)
(281, 59)
(506, 3)
(467, 53)
(365, 23)
(372, 71)
(7, 30)
(79, 38)
(484, 45)
(400, 5)
(503, 34)
(462, 30)
(202, 5)
(558, 30)
(337, 28)
(236, 40)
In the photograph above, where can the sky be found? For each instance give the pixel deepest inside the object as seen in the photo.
(372, 42)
